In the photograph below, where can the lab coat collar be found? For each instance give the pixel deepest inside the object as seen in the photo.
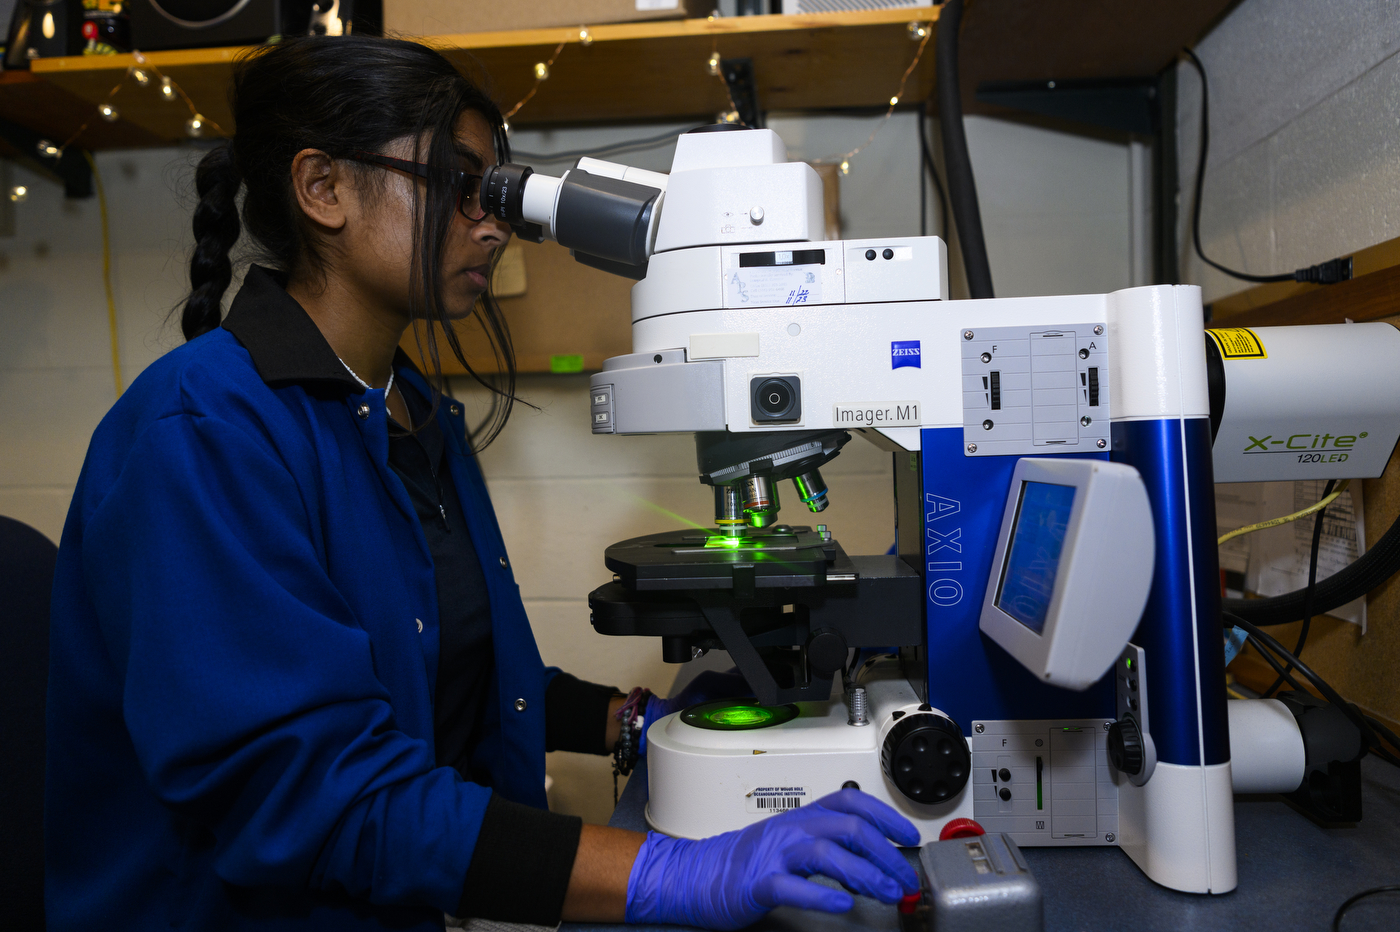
(286, 345)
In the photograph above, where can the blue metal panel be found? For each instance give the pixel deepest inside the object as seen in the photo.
(1180, 630)
(969, 676)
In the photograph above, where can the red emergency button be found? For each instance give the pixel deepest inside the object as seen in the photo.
(961, 828)
(909, 903)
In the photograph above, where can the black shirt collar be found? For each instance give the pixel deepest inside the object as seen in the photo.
(286, 345)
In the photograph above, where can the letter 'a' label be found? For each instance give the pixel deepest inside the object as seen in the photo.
(876, 414)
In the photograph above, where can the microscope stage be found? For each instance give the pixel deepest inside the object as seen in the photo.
(777, 557)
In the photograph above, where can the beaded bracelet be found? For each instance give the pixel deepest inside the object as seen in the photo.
(632, 716)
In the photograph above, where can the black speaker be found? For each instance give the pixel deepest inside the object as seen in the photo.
(183, 24)
(44, 29)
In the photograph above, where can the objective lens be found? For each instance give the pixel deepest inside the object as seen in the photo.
(729, 509)
(811, 488)
(760, 501)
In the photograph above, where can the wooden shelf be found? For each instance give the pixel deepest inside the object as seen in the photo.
(656, 70)
(630, 71)
(1371, 294)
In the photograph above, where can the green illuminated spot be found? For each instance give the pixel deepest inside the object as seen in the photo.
(742, 717)
(737, 715)
(569, 362)
(1130, 663)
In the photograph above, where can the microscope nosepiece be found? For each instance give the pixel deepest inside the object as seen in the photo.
(811, 488)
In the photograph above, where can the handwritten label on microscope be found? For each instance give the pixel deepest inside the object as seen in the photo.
(773, 286)
(876, 414)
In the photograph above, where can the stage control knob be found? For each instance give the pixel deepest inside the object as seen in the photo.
(1125, 747)
(925, 756)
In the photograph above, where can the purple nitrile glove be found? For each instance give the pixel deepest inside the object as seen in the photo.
(707, 685)
(730, 880)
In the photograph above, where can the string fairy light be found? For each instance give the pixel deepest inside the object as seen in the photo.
(140, 73)
(542, 74)
(920, 32)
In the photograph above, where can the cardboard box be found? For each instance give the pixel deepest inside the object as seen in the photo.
(445, 17)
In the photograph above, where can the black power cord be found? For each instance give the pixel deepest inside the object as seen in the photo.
(1372, 568)
(962, 187)
(1307, 593)
(1342, 910)
(927, 157)
(1326, 273)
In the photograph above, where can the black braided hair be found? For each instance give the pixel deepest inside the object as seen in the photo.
(216, 229)
(342, 94)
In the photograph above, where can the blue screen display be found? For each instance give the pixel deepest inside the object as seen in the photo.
(1037, 536)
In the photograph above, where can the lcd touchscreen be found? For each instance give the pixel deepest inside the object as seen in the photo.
(1038, 533)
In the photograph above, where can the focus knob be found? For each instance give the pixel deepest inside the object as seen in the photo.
(1125, 747)
(925, 756)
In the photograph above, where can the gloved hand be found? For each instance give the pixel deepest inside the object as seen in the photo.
(707, 685)
(730, 880)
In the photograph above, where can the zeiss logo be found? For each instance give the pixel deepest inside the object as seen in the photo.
(904, 353)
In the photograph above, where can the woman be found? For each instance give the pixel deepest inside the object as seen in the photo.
(293, 685)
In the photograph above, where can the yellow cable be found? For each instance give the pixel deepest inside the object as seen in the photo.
(1275, 522)
(107, 273)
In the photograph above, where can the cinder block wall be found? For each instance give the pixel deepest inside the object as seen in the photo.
(1304, 161)
(1056, 209)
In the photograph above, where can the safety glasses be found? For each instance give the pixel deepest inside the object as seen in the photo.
(468, 186)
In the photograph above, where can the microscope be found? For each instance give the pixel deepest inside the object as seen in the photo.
(1041, 650)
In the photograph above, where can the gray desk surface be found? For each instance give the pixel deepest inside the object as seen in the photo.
(1293, 874)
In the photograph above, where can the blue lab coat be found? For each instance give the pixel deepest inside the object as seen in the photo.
(244, 644)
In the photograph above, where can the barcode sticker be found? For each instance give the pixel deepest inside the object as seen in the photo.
(770, 799)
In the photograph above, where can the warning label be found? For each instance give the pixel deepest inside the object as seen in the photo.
(774, 798)
(1238, 343)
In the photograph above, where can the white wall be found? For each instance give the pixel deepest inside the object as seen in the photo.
(1056, 213)
(56, 378)
(1304, 160)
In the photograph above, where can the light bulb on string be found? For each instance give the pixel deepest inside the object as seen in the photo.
(845, 166)
(140, 76)
(894, 101)
(19, 194)
(109, 113)
(47, 150)
(713, 65)
(918, 31)
(167, 89)
(541, 71)
(585, 37)
(194, 126)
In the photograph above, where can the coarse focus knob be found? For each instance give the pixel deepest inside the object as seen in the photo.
(926, 757)
(1125, 747)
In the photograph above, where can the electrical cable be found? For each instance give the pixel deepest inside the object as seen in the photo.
(1372, 568)
(616, 148)
(107, 273)
(1326, 273)
(1275, 522)
(1312, 588)
(1351, 901)
(927, 157)
(1371, 741)
(962, 187)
